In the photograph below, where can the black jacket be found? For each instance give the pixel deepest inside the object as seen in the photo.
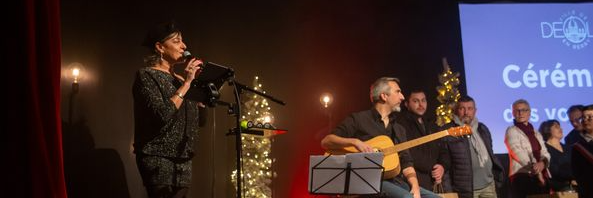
(581, 167)
(426, 155)
(461, 164)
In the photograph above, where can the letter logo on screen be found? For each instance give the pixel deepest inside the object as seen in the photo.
(572, 28)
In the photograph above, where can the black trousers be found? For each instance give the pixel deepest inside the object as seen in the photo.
(164, 191)
(523, 184)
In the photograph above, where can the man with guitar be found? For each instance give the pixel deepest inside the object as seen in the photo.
(475, 171)
(386, 97)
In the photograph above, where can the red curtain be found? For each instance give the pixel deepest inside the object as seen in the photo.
(35, 127)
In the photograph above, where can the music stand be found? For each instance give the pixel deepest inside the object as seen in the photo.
(205, 88)
(350, 174)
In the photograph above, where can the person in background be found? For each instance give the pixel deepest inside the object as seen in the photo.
(430, 159)
(582, 155)
(165, 122)
(575, 113)
(475, 171)
(386, 96)
(528, 155)
(560, 167)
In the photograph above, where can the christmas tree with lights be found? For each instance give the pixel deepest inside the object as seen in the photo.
(448, 94)
(256, 158)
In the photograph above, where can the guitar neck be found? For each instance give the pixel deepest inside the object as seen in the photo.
(416, 142)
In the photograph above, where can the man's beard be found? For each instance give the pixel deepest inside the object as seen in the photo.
(466, 120)
(396, 109)
(420, 112)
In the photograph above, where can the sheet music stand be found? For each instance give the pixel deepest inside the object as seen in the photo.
(350, 174)
(205, 88)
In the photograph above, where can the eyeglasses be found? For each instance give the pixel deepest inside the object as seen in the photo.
(522, 110)
(586, 117)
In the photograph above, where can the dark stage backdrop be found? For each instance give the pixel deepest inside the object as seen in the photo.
(299, 49)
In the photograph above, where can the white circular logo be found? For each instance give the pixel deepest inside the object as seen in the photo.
(576, 30)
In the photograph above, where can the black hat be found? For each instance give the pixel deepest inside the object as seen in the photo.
(159, 32)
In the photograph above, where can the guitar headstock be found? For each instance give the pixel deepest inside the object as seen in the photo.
(459, 131)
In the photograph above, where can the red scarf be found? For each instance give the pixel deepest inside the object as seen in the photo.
(536, 148)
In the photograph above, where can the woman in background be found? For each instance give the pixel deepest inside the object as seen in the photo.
(528, 155)
(560, 167)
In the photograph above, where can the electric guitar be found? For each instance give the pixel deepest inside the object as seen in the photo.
(390, 151)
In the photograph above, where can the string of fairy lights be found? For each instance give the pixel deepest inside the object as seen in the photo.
(257, 172)
(448, 94)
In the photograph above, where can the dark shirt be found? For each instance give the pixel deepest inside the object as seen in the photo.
(560, 168)
(425, 155)
(573, 137)
(366, 125)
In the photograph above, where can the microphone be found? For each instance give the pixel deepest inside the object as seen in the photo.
(187, 55)
(205, 87)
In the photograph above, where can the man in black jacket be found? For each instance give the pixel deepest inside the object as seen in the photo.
(475, 171)
(582, 155)
(430, 159)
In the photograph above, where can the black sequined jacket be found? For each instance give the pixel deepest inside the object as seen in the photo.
(160, 129)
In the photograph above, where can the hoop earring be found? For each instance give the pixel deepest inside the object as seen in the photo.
(161, 58)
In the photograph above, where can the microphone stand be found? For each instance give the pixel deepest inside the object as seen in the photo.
(235, 109)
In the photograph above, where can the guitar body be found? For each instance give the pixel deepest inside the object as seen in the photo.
(379, 143)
